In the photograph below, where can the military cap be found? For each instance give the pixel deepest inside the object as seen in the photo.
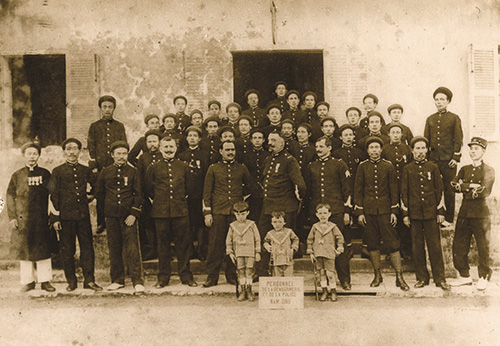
(252, 91)
(288, 121)
(209, 119)
(71, 140)
(478, 141)
(149, 117)
(323, 103)
(326, 119)
(119, 144)
(394, 125)
(371, 96)
(375, 114)
(152, 133)
(226, 129)
(180, 97)
(394, 106)
(31, 145)
(280, 83)
(373, 139)
(307, 126)
(245, 117)
(290, 92)
(107, 98)
(195, 111)
(233, 104)
(257, 130)
(271, 106)
(443, 90)
(308, 93)
(353, 109)
(417, 139)
(169, 115)
(214, 102)
(345, 127)
(193, 128)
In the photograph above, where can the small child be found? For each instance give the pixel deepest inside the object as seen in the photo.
(243, 246)
(325, 242)
(281, 242)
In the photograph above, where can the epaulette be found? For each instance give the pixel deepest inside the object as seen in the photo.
(131, 165)
(387, 161)
(364, 161)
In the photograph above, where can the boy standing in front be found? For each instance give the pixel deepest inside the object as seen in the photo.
(243, 247)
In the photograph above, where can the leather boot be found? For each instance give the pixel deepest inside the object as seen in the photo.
(377, 279)
(249, 292)
(243, 293)
(333, 296)
(400, 282)
(324, 295)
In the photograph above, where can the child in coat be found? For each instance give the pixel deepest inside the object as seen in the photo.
(324, 243)
(243, 246)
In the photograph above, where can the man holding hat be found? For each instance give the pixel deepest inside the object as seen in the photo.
(376, 202)
(152, 122)
(102, 134)
(475, 182)
(280, 90)
(70, 189)
(257, 114)
(422, 208)
(443, 129)
(119, 187)
(27, 207)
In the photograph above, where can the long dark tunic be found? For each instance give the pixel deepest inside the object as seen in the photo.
(27, 202)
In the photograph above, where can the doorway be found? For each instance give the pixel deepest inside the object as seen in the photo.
(301, 70)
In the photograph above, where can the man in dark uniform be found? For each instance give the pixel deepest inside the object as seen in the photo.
(214, 108)
(294, 112)
(257, 114)
(444, 132)
(183, 120)
(243, 140)
(147, 232)
(370, 102)
(119, 188)
(422, 206)
(280, 90)
(475, 182)
(353, 115)
(102, 134)
(69, 192)
(152, 122)
(27, 206)
(376, 202)
(275, 117)
(224, 185)
(166, 186)
(233, 111)
(327, 181)
(197, 160)
(322, 110)
(283, 187)
(374, 121)
(396, 112)
(328, 127)
(211, 142)
(309, 99)
(170, 124)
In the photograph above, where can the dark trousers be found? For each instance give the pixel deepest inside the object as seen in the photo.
(449, 195)
(81, 229)
(198, 231)
(427, 232)
(342, 260)
(378, 227)
(174, 229)
(217, 248)
(465, 228)
(147, 232)
(262, 267)
(123, 244)
(405, 237)
(255, 205)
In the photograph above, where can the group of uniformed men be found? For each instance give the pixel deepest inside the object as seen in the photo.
(290, 156)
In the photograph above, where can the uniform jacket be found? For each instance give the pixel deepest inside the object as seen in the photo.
(422, 191)
(407, 135)
(324, 242)
(304, 154)
(254, 161)
(27, 202)
(281, 102)
(139, 146)
(145, 160)
(68, 190)
(211, 144)
(271, 128)
(397, 154)
(224, 185)
(243, 239)
(298, 116)
(197, 160)
(166, 185)
(120, 189)
(328, 181)
(243, 146)
(362, 142)
(474, 200)
(376, 188)
(258, 115)
(352, 157)
(281, 176)
(102, 134)
(183, 121)
(283, 243)
(444, 132)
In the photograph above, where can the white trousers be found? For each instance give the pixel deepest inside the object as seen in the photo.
(42, 273)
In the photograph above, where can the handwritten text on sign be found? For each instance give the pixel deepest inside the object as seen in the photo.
(281, 293)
